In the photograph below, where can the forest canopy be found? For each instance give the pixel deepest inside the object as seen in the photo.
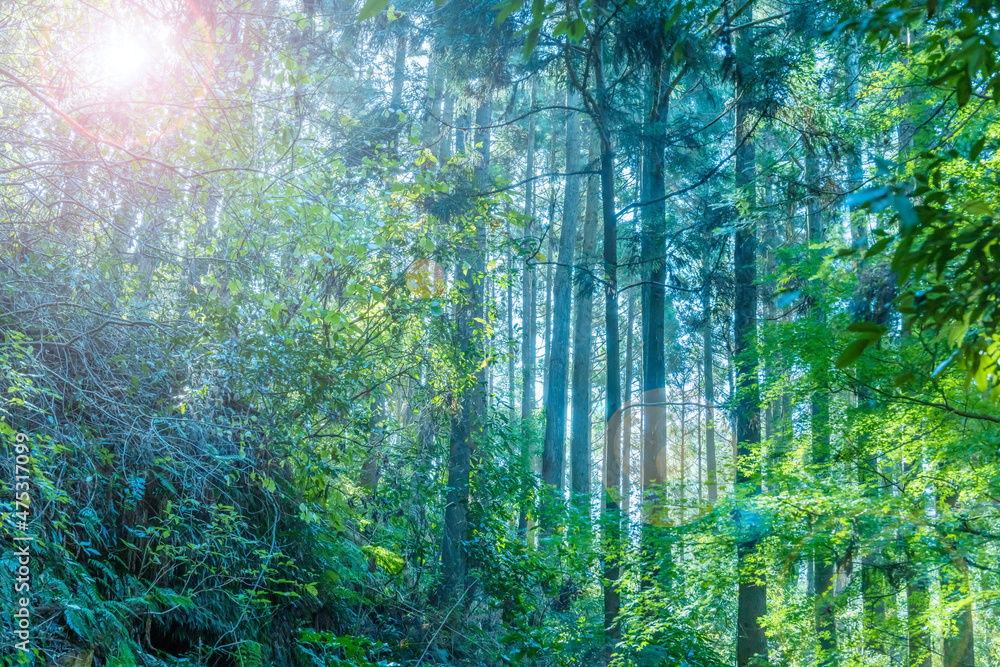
(625, 333)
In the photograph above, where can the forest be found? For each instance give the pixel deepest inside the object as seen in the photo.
(390, 333)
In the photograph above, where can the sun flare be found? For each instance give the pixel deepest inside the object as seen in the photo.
(124, 57)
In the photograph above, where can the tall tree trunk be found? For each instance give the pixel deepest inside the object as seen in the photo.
(731, 378)
(448, 115)
(751, 643)
(681, 468)
(554, 447)
(918, 652)
(462, 129)
(511, 344)
(399, 72)
(653, 242)
(698, 461)
(549, 253)
(873, 589)
(432, 104)
(855, 171)
(529, 315)
(612, 390)
(958, 647)
(708, 364)
(825, 620)
(626, 457)
(582, 355)
(771, 362)
(469, 422)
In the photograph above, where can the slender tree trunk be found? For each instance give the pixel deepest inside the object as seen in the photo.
(371, 467)
(873, 590)
(906, 128)
(490, 299)
(653, 242)
(432, 104)
(554, 448)
(708, 365)
(612, 391)
(469, 423)
(771, 361)
(462, 128)
(751, 643)
(399, 72)
(529, 315)
(731, 377)
(699, 456)
(511, 344)
(918, 652)
(549, 253)
(855, 172)
(448, 115)
(825, 620)
(582, 354)
(959, 645)
(681, 490)
(626, 484)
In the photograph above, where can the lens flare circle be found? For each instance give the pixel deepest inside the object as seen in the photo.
(425, 279)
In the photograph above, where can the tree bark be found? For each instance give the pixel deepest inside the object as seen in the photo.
(825, 620)
(448, 115)
(582, 354)
(751, 643)
(958, 646)
(708, 365)
(918, 652)
(549, 253)
(399, 73)
(918, 649)
(529, 314)
(469, 422)
(626, 457)
(653, 249)
(462, 128)
(554, 448)
(612, 520)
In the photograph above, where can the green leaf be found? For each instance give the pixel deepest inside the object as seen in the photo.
(907, 216)
(503, 9)
(978, 207)
(869, 329)
(576, 29)
(529, 43)
(977, 148)
(868, 195)
(389, 561)
(371, 8)
(878, 246)
(852, 352)
(964, 89)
